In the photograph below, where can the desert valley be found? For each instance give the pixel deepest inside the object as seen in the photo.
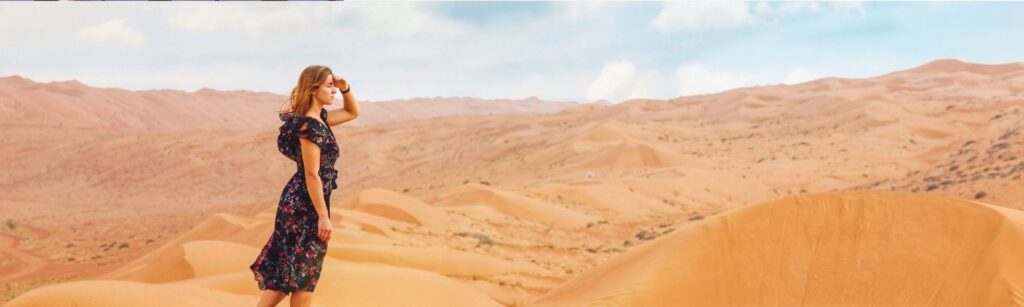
(905, 186)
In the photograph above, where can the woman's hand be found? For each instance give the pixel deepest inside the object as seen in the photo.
(324, 228)
(340, 83)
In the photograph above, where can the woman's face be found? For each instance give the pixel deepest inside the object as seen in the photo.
(324, 93)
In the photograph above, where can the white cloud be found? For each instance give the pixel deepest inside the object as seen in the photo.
(619, 80)
(255, 21)
(111, 31)
(787, 7)
(696, 16)
(694, 79)
(849, 7)
(207, 19)
(703, 15)
(799, 75)
(576, 10)
(373, 19)
(794, 7)
(403, 19)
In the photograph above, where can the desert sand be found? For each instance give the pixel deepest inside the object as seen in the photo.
(830, 249)
(899, 189)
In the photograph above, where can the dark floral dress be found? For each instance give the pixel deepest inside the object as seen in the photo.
(294, 255)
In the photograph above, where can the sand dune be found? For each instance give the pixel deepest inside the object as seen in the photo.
(818, 248)
(977, 168)
(633, 203)
(368, 285)
(955, 66)
(198, 259)
(448, 262)
(71, 103)
(363, 285)
(605, 147)
(609, 157)
(512, 204)
(209, 257)
(372, 224)
(100, 293)
(850, 248)
(609, 200)
(399, 207)
(169, 262)
(421, 108)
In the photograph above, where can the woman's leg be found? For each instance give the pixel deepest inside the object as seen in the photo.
(302, 299)
(270, 298)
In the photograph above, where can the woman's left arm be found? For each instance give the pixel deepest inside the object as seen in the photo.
(351, 110)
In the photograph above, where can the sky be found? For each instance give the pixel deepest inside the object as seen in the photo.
(565, 51)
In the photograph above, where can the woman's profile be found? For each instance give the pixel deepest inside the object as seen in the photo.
(292, 258)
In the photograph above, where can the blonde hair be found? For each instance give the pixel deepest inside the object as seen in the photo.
(301, 100)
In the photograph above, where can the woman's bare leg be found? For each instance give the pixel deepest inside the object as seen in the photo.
(270, 298)
(301, 299)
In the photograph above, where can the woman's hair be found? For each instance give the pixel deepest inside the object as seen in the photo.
(301, 100)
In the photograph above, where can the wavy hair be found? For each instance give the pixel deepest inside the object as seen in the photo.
(301, 99)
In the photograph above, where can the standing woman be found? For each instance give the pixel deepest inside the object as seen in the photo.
(291, 261)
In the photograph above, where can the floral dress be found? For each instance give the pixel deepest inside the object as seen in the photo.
(294, 255)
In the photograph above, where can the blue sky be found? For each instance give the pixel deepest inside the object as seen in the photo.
(579, 51)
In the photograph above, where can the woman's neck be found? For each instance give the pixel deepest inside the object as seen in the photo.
(314, 110)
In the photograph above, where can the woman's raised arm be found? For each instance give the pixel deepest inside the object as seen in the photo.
(351, 110)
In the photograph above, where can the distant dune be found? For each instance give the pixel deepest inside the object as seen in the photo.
(72, 104)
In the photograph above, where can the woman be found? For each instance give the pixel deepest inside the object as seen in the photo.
(291, 261)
